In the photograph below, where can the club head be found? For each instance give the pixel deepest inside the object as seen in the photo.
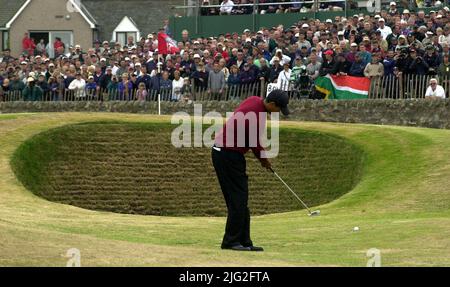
(315, 213)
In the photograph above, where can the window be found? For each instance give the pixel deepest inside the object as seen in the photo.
(122, 37)
(5, 40)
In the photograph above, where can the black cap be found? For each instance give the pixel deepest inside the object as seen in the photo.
(281, 99)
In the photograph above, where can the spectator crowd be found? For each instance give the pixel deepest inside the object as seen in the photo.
(242, 7)
(389, 43)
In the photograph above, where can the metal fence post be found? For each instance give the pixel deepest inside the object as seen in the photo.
(402, 85)
(263, 90)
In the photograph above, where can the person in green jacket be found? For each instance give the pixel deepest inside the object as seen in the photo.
(444, 68)
(113, 89)
(16, 84)
(32, 92)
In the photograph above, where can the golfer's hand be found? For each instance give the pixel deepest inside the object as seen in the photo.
(265, 163)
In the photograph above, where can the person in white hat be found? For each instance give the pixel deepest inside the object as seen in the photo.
(78, 86)
(91, 87)
(42, 82)
(281, 57)
(284, 77)
(275, 69)
(385, 30)
(429, 38)
(197, 59)
(341, 38)
(32, 92)
(31, 75)
(38, 59)
(351, 55)
(441, 36)
(402, 43)
(406, 15)
(51, 69)
(435, 91)
(393, 9)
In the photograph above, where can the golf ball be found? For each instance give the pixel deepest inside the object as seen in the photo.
(356, 228)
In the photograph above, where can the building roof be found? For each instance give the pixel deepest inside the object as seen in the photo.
(8, 10)
(147, 14)
(105, 15)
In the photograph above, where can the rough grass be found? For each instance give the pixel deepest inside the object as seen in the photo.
(133, 168)
(401, 204)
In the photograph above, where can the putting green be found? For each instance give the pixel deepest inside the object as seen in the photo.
(401, 205)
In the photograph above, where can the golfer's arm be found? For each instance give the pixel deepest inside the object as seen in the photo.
(258, 149)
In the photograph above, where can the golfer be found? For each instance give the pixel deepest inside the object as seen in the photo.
(230, 165)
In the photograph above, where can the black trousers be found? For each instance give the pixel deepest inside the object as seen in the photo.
(230, 168)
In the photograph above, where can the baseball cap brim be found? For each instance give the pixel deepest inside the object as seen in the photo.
(285, 111)
(281, 99)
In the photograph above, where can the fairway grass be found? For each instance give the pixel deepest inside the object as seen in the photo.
(401, 205)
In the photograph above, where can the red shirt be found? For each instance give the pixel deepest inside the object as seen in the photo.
(251, 110)
(224, 55)
(58, 44)
(26, 43)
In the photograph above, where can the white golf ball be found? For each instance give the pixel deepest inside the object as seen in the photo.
(356, 228)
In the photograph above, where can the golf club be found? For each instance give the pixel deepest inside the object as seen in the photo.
(313, 213)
